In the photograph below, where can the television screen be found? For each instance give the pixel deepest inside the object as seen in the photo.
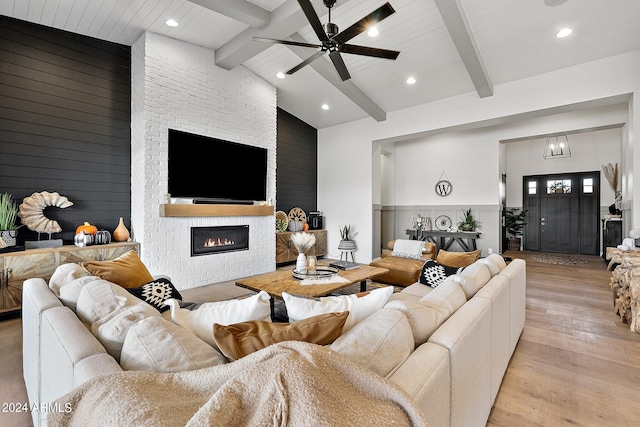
(206, 169)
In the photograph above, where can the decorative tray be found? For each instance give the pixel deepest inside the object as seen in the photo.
(322, 271)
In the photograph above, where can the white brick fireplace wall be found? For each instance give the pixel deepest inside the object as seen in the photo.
(177, 85)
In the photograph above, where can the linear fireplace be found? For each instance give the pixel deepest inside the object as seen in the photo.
(219, 239)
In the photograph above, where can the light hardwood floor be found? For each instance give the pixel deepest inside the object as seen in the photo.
(575, 364)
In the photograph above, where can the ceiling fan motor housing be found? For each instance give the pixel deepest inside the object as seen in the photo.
(331, 29)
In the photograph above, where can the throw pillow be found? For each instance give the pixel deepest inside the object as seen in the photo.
(127, 270)
(156, 292)
(405, 248)
(157, 345)
(199, 318)
(457, 259)
(423, 318)
(359, 308)
(240, 339)
(381, 343)
(433, 274)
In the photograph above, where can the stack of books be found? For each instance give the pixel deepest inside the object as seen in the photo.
(345, 265)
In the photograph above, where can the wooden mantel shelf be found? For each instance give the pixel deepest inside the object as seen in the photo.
(186, 210)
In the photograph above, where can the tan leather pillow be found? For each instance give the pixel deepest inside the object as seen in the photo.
(457, 259)
(127, 270)
(240, 339)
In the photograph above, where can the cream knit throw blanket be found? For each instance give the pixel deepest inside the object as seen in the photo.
(286, 384)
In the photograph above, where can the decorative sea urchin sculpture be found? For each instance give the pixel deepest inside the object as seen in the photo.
(32, 211)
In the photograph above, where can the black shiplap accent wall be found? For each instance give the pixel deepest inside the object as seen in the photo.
(65, 113)
(297, 165)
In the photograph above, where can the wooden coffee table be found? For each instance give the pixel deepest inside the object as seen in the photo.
(279, 281)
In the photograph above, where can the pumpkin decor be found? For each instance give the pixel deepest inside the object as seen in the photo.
(87, 228)
(102, 237)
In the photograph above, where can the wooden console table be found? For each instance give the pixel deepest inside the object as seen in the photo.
(444, 239)
(16, 267)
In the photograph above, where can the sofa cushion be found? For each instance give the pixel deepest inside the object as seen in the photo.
(381, 343)
(70, 292)
(433, 273)
(157, 345)
(65, 274)
(240, 339)
(417, 289)
(199, 318)
(425, 315)
(457, 259)
(127, 270)
(109, 311)
(449, 296)
(359, 306)
(498, 260)
(156, 292)
(475, 277)
(402, 271)
(404, 248)
(493, 269)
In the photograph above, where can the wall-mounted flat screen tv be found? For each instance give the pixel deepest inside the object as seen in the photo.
(213, 170)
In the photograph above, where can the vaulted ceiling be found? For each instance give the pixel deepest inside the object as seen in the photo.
(449, 46)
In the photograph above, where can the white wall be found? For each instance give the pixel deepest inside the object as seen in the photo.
(518, 109)
(177, 85)
(589, 151)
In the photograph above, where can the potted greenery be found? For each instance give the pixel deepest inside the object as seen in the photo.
(514, 223)
(468, 223)
(8, 217)
(346, 239)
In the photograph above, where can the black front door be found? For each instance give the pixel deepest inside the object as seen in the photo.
(562, 212)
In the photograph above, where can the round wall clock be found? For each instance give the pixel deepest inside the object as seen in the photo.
(443, 188)
(443, 223)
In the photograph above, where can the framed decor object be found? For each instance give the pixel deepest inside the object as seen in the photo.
(443, 223)
(443, 186)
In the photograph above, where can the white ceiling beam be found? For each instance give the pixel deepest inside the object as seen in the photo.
(460, 31)
(326, 69)
(240, 10)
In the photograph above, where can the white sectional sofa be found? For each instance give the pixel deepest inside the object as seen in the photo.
(453, 376)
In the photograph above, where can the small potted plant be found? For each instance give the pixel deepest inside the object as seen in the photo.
(515, 220)
(468, 223)
(8, 216)
(346, 239)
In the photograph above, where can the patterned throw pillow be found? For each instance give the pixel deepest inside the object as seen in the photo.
(156, 293)
(433, 274)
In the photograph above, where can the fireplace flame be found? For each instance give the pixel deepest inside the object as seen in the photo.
(212, 243)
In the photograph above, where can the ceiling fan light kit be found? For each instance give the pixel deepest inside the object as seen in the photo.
(334, 41)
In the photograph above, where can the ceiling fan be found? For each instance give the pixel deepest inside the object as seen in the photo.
(335, 42)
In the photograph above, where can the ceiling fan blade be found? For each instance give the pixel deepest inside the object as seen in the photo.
(313, 19)
(336, 58)
(287, 42)
(371, 19)
(306, 62)
(369, 51)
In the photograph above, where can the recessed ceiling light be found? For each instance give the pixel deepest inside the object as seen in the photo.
(564, 33)
(325, 106)
(411, 81)
(373, 31)
(171, 22)
(280, 75)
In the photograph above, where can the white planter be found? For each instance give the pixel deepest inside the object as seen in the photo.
(9, 237)
(301, 263)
